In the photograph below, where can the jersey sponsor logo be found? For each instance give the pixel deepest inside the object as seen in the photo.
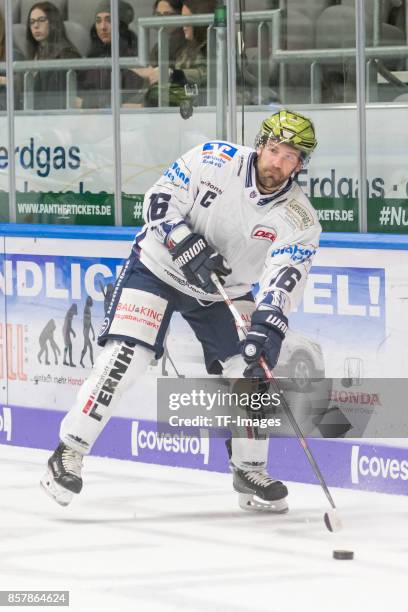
(300, 214)
(222, 149)
(6, 422)
(212, 187)
(261, 232)
(362, 465)
(175, 172)
(138, 315)
(298, 252)
(144, 440)
(218, 153)
(145, 311)
(102, 396)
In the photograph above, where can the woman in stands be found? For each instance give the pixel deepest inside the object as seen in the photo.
(94, 87)
(189, 64)
(192, 59)
(166, 8)
(47, 40)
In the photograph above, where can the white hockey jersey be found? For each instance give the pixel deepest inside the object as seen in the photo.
(267, 239)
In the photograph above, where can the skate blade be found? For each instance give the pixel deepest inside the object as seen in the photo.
(59, 494)
(252, 503)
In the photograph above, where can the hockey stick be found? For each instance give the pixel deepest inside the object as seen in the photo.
(173, 364)
(166, 355)
(331, 520)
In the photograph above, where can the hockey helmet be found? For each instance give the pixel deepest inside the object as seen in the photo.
(289, 128)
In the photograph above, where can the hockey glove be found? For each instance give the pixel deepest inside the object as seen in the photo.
(198, 261)
(264, 339)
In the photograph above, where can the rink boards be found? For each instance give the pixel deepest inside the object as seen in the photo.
(358, 465)
(353, 313)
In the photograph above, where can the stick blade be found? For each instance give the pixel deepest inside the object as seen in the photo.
(332, 521)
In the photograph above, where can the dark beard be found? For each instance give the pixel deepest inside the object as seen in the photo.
(265, 189)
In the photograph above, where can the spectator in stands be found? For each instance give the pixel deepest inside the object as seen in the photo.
(164, 8)
(18, 77)
(47, 40)
(190, 63)
(94, 86)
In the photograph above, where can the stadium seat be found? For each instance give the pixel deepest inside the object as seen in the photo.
(19, 38)
(79, 36)
(258, 5)
(83, 11)
(142, 8)
(386, 7)
(299, 36)
(251, 29)
(310, 8)
(27, 4)
(299, 31)
(16, 9)
(397, 18)
(391, 35)
(336, 29)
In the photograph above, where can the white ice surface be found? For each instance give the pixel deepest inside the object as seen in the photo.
(151, 538)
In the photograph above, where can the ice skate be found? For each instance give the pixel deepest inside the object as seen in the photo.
(63, 476)
(259, 492)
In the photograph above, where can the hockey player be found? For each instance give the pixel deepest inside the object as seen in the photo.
(220, 208)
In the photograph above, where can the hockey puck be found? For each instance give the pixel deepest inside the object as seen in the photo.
(343, 554)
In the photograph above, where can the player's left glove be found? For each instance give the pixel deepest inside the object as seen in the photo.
(264, 339)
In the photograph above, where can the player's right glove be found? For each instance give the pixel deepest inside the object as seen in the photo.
(264, 339)
(198, 260)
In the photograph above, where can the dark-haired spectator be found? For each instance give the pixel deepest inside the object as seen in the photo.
(94, 88)
(190, 63)
(192, 59)
(164, 8)
(168, 8)
(47, 40)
